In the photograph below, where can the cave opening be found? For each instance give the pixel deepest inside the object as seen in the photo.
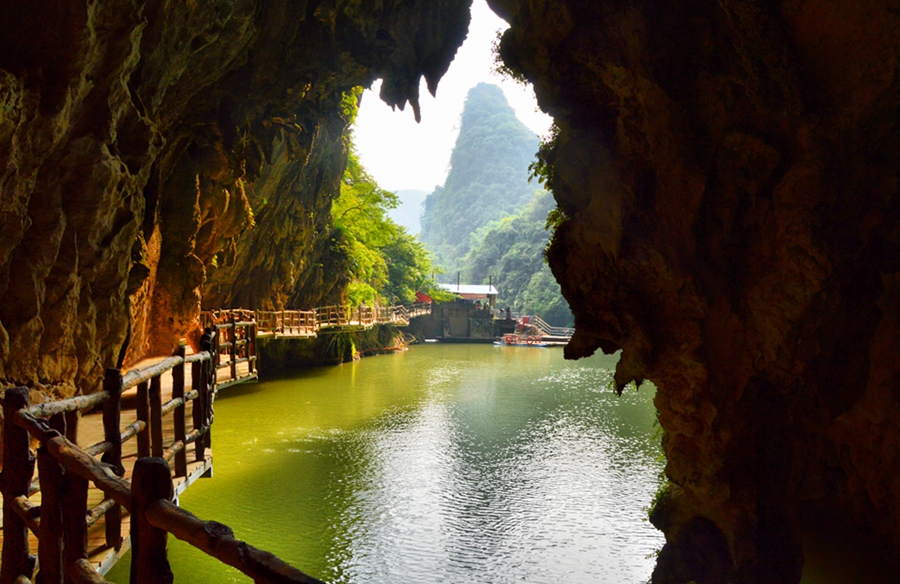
(392, 145)
(726, 175)
(405, 155)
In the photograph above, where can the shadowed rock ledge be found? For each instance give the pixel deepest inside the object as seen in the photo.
(729, 171)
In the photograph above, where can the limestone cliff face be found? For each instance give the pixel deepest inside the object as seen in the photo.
(129, 133)
(287, 262)
(730, 173)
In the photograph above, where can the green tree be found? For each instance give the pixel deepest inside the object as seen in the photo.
(383, 263)
(510, 252)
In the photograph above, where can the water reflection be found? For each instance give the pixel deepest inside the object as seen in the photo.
(442, 464)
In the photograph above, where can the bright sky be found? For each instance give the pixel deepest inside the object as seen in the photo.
(401, 154)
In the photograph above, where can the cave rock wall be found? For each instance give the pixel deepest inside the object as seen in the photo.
(729, 171)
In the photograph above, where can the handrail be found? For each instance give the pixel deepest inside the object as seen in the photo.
(138, 376)
(46, 423)
(72, 404)
(63, 514)
(310, 322)
(218, 541)
(551, 330)
(148, 498)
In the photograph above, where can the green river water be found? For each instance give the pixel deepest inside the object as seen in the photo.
(445, 463)
(448, 463)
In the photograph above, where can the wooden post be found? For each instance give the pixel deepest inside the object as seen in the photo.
(151, 482)
(143, 413)
(72, 419)
(209, 342)
(156, 430)
(112, 415)
(233, 352)
(215, 338)
(18, 467)
(251, 347)
(50, 550)
(197, 368)
(178, 414)
(74, 506)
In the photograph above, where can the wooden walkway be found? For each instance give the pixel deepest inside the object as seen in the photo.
(90, 431)
(160, 426)
(308, 324)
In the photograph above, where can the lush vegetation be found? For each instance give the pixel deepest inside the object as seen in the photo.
(488, 177)
(511, 253)
(378, 259)
(382, 262)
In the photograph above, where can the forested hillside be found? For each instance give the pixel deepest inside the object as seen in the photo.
(511, 252)
(487, 221)
(488, 176)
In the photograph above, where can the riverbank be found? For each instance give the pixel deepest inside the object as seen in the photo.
(279, 356)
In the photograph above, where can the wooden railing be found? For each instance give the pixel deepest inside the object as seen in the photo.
(553, 331)
(60, 522)
(234, 344)
(307, 323)
(287, 322)
(418, 309)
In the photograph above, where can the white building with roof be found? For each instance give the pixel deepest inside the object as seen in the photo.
(473, 291)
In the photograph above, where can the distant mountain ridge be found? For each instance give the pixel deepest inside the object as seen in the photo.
(488, 176)
(487, 222)
(409, 212)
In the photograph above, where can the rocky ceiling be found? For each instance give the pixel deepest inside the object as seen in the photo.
(132, 135)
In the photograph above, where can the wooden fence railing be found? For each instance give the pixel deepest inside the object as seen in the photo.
(328, 316)
(307, 323)
(287, 322)
(60, 522)
(234, 344)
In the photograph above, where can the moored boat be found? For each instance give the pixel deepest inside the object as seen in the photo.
(513, 340)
